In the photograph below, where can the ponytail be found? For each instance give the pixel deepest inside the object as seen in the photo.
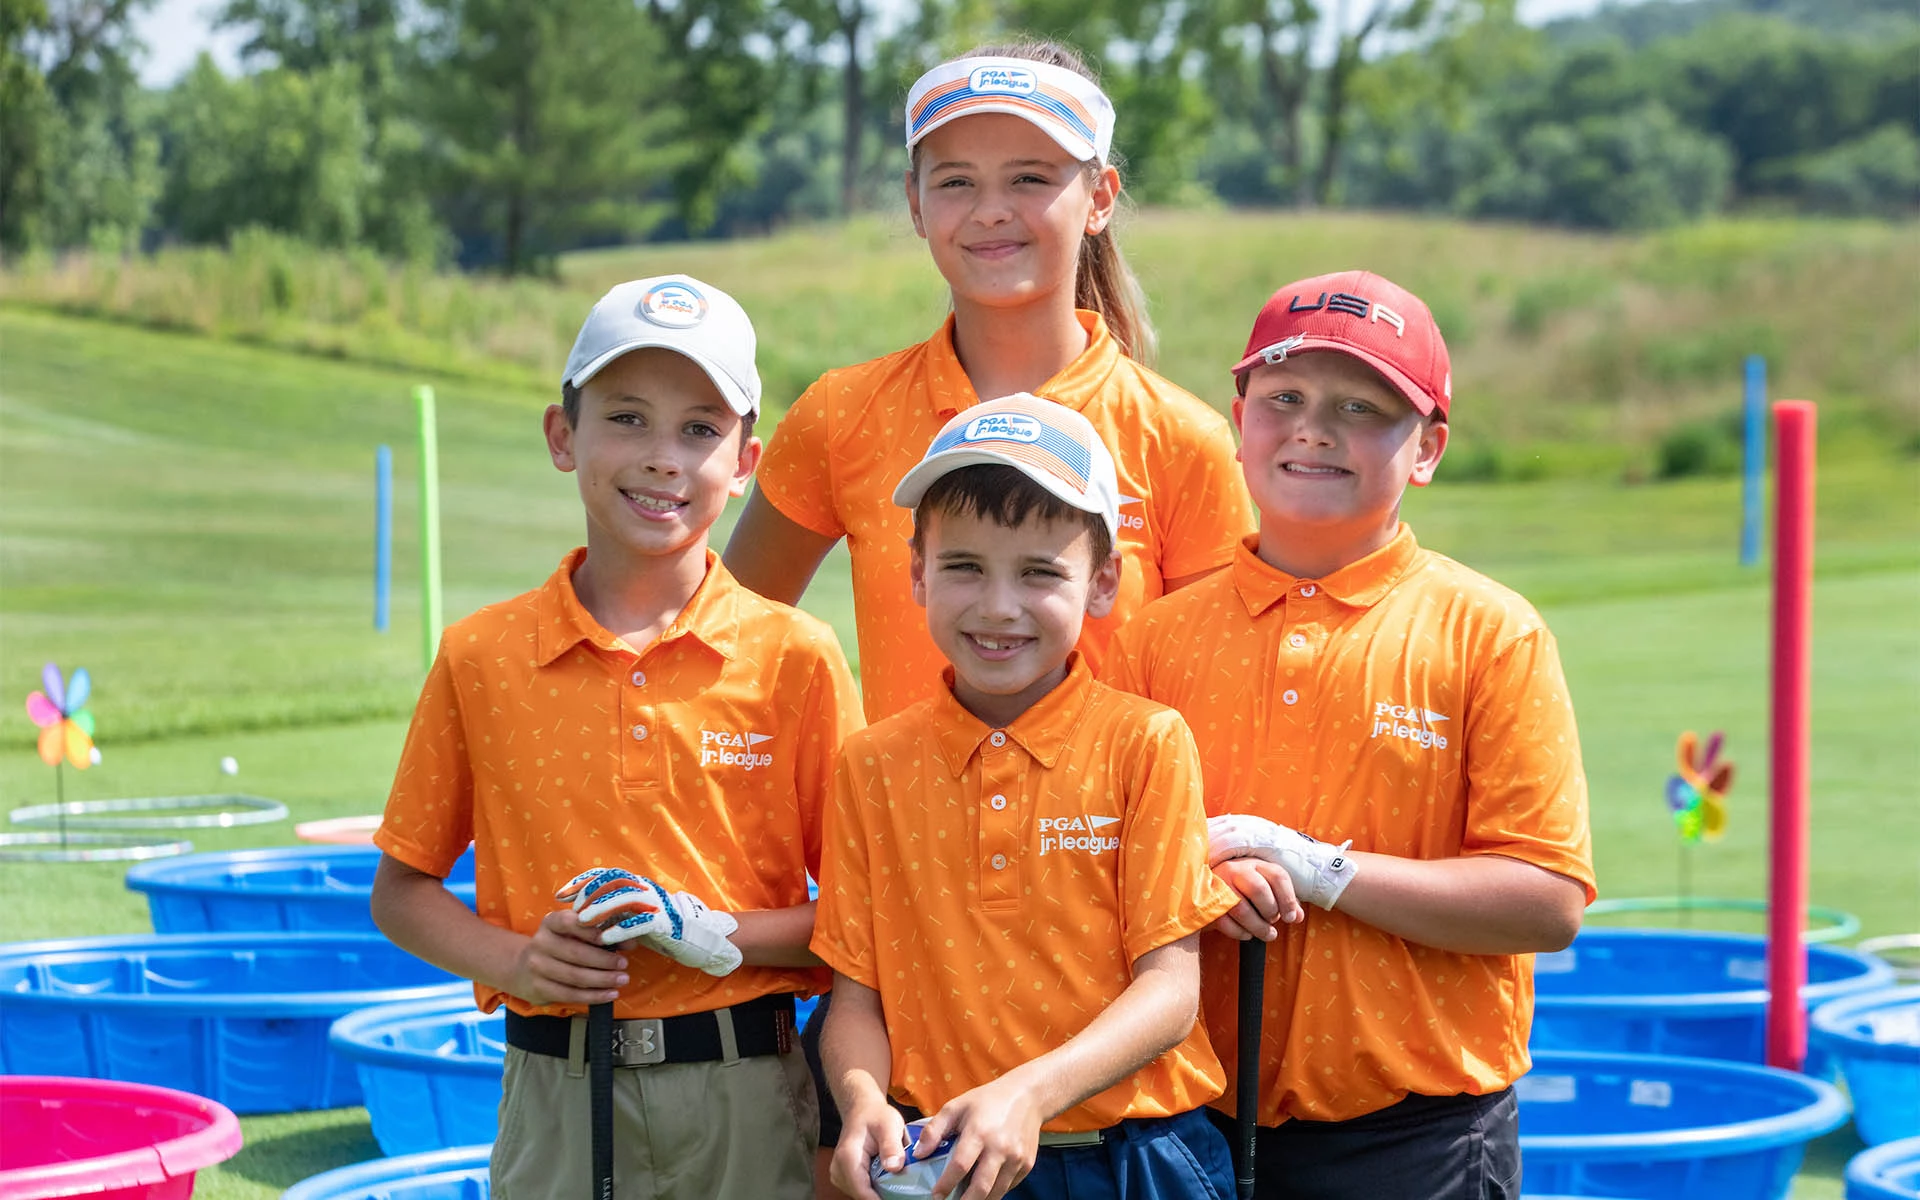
(1102, 280)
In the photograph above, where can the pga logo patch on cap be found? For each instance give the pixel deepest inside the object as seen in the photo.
(1009, 81)
(1002, 427)
(674, 305)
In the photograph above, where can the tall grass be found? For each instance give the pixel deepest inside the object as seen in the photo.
(1574, 354)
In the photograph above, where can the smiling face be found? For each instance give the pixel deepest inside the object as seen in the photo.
(657, 452)
(1003, 209)
(1005, 605)
(1328, 448)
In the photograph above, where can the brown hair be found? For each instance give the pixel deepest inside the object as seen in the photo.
(1009, 498)
(1102, 280)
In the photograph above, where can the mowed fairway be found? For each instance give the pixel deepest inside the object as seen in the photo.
(192, 521)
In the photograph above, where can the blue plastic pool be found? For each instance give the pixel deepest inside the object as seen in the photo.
(240, 1018)
(1875, 1037)
(295, 888)
(457, 1174)
(1679, 992)
(429, 1071)
(1653, 1127)
(1889, 1172)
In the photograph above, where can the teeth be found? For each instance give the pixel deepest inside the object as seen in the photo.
(987, 643)
(1300, 469)
(651, 504)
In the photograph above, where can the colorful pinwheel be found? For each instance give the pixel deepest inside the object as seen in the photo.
(66, 727)
(1696, 794)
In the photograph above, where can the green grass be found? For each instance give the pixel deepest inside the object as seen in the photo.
(1580, 349)
(191, 520)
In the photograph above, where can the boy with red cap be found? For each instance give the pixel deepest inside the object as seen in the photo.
(1386, 736)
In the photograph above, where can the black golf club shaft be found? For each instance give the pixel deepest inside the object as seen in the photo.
(1246, 1103)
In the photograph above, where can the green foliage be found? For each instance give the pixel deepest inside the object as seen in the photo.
(1878, 174)
(26, 114)
(1538, 301)
(279, 149)
(1700, 448)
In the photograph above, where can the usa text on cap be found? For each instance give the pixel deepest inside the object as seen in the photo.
(1363, 315)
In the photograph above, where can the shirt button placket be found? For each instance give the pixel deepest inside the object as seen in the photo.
(999, 848)
(640, 747)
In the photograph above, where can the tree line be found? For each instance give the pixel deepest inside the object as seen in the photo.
(499, 133)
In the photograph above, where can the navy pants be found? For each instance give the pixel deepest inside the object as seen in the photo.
(1157, 1158)
(1431, 1147)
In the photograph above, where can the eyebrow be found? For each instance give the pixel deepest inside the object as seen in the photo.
(705, 406)
(957, 165)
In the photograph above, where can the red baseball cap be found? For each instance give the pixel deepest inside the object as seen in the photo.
(1360, 314)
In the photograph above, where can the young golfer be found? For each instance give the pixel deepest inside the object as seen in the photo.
(1014, 874)
(1387, 737)
(1011, 184)
(642, 714)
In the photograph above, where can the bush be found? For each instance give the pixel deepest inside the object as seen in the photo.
(1700, 448)
(1875, 175)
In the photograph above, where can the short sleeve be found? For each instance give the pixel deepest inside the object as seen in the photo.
(1526, 790)
(1207, 506)
(796, 473)
(1120, 668)
(429, 816)
(1170, 891)
(830, 710)
(843, 921)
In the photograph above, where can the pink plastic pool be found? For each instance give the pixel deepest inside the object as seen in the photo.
(106, 1140)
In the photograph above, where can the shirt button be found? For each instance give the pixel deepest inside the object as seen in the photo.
(639, 679)
(998, 802)
(639, 733)
(999, 862)
(997, 738)
(1307, 589)
(1297, 640)
(1290, 696)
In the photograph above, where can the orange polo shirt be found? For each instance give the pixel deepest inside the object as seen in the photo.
(1412, 705)
(702, 761)
(843, 446)
(995, 886)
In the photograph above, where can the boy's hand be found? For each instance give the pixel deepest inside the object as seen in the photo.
(564, 963)
(876, 1130)
(1320, 871)
(1266, 899)
(996, 1128)
(625, 906)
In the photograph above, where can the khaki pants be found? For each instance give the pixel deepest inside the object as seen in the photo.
(740, 1130)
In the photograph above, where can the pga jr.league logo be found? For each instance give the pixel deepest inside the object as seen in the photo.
(1009, 81)
(725, 748)
(674, 305)
(1002, 427)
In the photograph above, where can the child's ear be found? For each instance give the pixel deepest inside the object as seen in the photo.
(743, 470)
(559, 437)
(1433, 444)
(1104, 588)
(917, 572)
(1239, 427)
(913, 203)
(1106, 196)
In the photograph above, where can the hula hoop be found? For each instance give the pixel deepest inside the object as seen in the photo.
(1836, 926)
(104, 814)
(84, 847)
(1901, 951)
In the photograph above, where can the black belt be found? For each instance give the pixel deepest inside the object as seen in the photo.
(759, 1027)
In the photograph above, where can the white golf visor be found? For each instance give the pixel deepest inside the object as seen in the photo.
(1066, 105)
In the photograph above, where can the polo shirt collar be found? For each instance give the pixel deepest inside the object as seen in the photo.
(1076, 384)
(1042, 731)
(711, 617)
(1359, 584)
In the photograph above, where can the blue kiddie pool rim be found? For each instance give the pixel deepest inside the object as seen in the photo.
(210, 1004)
(349, 1038)
(1874, 974)
(1825, 1110)
(1865, 1178)
(1832, 1024)
(199, 874)
(416, 1169)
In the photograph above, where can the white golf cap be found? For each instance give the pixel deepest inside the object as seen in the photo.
(1070, 108)
(1050, 443)
(678, 313)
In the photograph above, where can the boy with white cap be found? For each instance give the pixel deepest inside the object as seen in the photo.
(1015, 874)
(1388, 738)
(645, 722)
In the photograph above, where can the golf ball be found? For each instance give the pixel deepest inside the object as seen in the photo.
(229, 765)
(93, 756)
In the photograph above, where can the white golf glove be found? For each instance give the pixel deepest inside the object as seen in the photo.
(1320, 870)
(626, 906)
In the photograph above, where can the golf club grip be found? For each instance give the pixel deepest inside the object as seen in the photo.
(600, 1094)
(1246, 1100)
